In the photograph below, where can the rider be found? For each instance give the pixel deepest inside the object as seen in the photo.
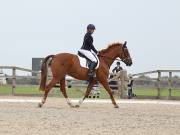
(89, 50)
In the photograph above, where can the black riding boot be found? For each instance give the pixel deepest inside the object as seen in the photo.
(91, 70)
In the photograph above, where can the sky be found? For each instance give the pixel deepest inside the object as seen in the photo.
(37, 28)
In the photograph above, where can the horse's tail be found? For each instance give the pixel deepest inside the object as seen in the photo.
(44, 70)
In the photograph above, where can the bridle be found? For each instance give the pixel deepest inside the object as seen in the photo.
(126, 57)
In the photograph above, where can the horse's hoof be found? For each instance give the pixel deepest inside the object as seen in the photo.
(72, 106)
(116, 106)
(40, 105)
(77, 106)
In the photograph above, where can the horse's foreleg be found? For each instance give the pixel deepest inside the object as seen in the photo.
(63, 90)
(47, 89)
(108, 89)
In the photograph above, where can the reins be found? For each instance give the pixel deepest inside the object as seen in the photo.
(112, 58)
(109, 58)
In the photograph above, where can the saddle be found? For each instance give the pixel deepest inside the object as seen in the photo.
(85, 62)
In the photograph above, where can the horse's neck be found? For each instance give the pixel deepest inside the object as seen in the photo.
(111, 56)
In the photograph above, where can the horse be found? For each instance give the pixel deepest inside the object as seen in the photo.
(63, 64)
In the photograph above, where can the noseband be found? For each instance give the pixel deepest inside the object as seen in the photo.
(125, 59)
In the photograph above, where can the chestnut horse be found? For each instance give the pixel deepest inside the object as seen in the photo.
(68, 64)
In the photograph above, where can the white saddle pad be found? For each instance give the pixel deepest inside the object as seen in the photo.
(83, 62)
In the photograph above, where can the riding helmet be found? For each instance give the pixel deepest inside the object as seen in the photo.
(91, 26)
(118, 63)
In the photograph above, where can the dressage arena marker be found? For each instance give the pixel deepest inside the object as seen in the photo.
(102, 101)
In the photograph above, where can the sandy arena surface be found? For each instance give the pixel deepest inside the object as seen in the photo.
(57, 118)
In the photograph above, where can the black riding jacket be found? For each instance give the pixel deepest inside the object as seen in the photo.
(88, 43)
(130, 85)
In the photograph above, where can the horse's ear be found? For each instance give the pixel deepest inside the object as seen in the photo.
(124, 45)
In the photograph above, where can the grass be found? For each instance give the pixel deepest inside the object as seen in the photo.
(153, 92)
(72, 92)
(78, 93)
(20, 90)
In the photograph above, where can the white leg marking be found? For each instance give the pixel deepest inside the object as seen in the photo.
(81, 101)
(69, 102)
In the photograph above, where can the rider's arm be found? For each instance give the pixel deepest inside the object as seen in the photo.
(90, 42)
(94, 49)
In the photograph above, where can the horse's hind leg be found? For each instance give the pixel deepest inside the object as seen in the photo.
(48, 88)
(63, 90)
(89, 88)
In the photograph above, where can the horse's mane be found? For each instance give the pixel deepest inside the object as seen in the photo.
(109, 47)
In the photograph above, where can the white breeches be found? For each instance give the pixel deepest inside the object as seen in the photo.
(90, 55)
